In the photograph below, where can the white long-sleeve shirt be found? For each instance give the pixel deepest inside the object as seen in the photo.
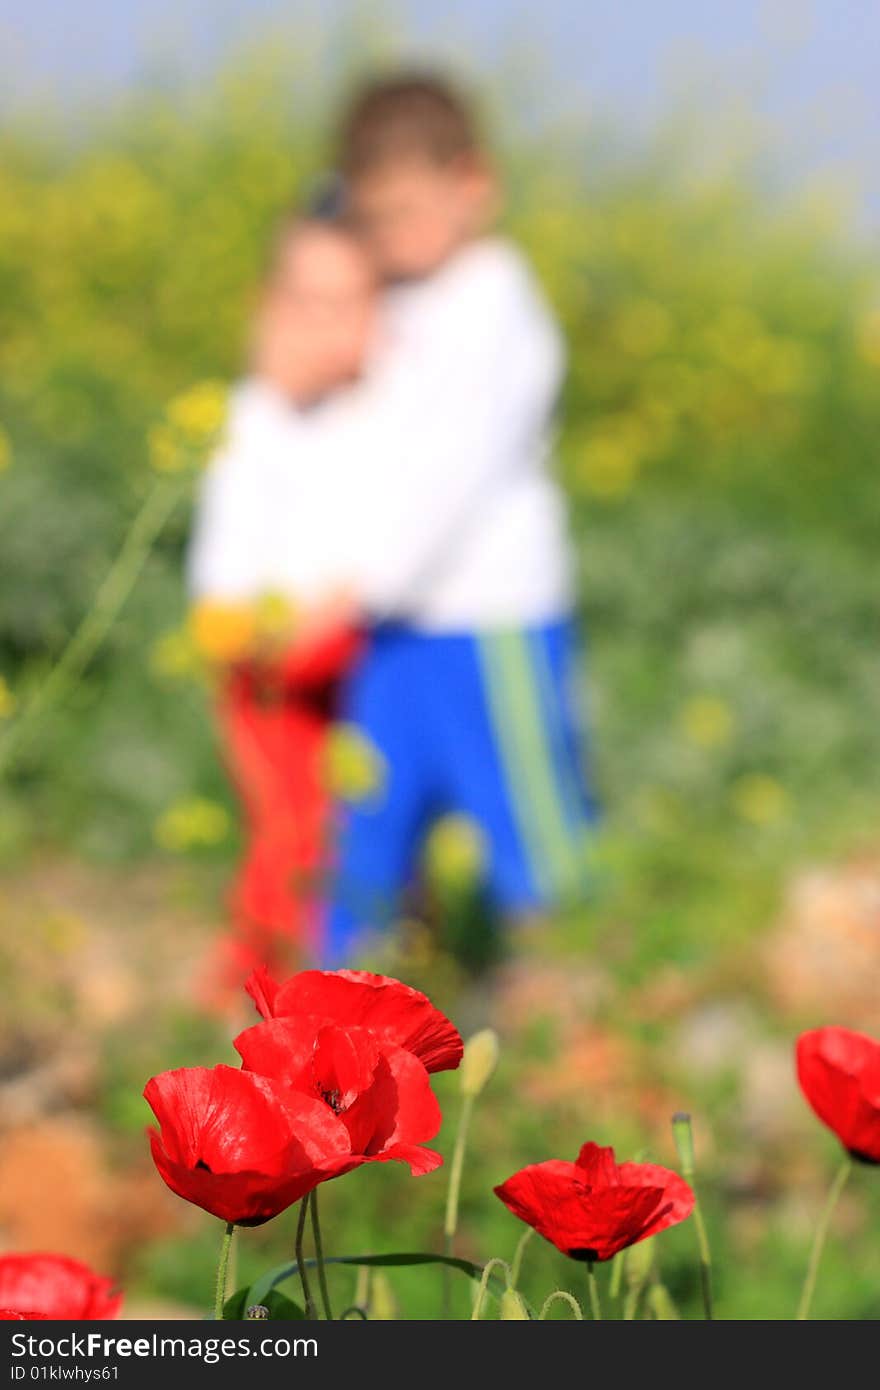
(427, 487)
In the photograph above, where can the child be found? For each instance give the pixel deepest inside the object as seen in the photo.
(460, 561)
(254, 570)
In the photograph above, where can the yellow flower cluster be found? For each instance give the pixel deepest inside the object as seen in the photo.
(760, 799)
(190, 429)
(192, 823)
(225, 632)
(354, 769)
(455, 853)
(707, 721)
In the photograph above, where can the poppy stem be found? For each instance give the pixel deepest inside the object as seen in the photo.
(819, 1239)
(300, 1257)
(483, 1288)
(705, 1260)
(222, 1268)
(516, 1263)
(684, 1142)
(319, 1256)
(617, 1276)
(593, 1286)
(450, 1223)
(561, 1296)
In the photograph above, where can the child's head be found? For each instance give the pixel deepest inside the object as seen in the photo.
(419, 182)
(317, 310)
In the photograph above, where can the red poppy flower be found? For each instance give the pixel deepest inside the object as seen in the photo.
(380, 1092)
(54, 1286)
(7, 1315)
(240, 1145)
(391, 1011)
(594, 1207)
(839, 1073)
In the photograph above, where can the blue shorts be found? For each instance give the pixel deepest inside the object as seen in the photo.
(486, 726)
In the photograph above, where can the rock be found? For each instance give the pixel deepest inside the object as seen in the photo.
(823, 960)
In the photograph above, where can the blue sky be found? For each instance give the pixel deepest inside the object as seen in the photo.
(801, 73)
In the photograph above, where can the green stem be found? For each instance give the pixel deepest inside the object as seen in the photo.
(300, 1257)
(94, 626)
(561, 1296)
(617, 1276)
(705, 1259)
(222, 1267)
(516, 1264)
(682, 1131)
(592, 1285)
(484, 1285)
(819, 1239)
(319, 1255)
(450, 1223)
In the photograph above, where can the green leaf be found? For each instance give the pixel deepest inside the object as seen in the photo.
(281, 1308)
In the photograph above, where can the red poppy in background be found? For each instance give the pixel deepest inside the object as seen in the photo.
(593, 1208)
(54, 1286)
(839, 1073)
(393, 1012)
(379, 1091)
(239, 1145)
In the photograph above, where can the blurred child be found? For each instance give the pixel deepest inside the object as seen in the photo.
(265, 612)
(460, 560)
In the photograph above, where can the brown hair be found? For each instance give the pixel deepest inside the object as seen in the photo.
(411, 115)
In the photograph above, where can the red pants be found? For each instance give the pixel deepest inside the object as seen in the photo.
(274, 727)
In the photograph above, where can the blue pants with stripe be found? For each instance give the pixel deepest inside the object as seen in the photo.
(482, 725)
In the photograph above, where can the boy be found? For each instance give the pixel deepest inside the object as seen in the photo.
(460, 560)
(261, 571)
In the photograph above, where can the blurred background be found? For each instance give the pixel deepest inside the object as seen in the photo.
(699, 188)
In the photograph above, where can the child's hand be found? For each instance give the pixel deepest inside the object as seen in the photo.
(327, 638)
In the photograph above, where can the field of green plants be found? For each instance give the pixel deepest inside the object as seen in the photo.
(719, 446)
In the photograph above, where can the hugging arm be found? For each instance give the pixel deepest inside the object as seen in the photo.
(228, 553)
(438, 426)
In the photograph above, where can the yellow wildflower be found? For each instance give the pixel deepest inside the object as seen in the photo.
(274, 619)
(759, 799)
(191, 823)
(199, 412)
(222, 632)
(707, 721)
(354, 769)
(174, 656)
(455, 852)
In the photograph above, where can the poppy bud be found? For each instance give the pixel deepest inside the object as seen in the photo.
(479, 1061)
(683, 1135)
(512, 1307)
